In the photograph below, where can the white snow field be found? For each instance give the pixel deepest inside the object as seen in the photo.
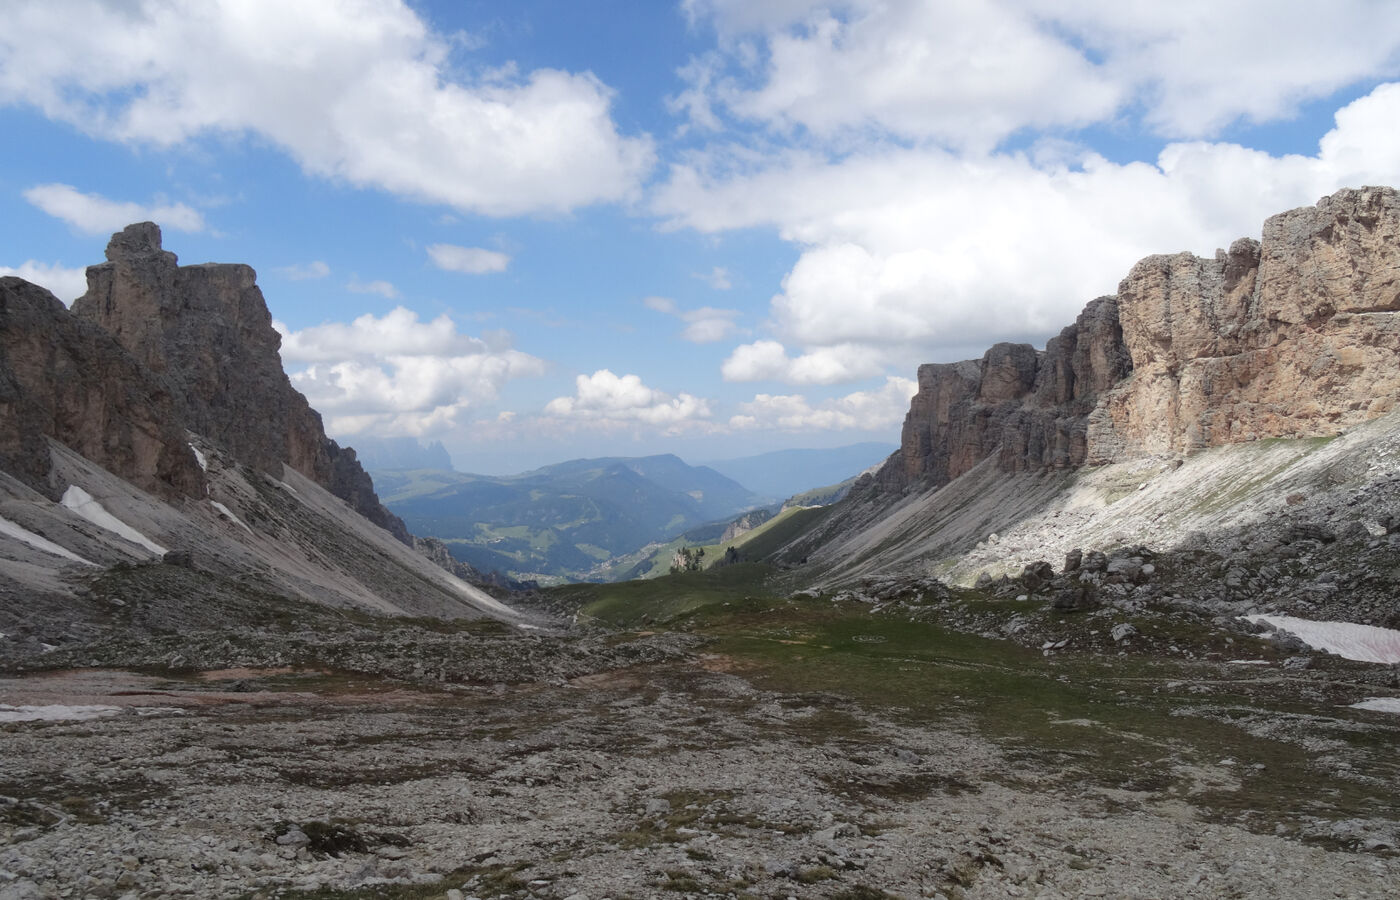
(20, 533)
(1379, 704)
(82, 503)
(1364, 643)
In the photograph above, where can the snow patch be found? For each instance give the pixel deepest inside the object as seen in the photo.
(229, 513)
(525, 626)
(1379, 704)
(478, 597)
(1248, 662)
(20, 533)
(82, 503)
(54, 713)
(282, 484)
(1363, 643)
(200, 458)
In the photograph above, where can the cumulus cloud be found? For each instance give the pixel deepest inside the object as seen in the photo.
(704, 325)
(383, 288)
(860, 411)
(930, 249)
(64, 283)
(394, 374)
(971, 74)
(95, 214)
(469, 260)
(305, 272)
(379, 101)
(769, 361)
(605, 399)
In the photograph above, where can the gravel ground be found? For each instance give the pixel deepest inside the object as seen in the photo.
(678, 778)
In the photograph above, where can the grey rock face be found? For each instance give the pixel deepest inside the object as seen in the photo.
(1027, 408)
(206, 329)
(1297, 335)
(64, 378)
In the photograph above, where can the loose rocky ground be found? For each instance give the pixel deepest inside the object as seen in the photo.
(765, 748)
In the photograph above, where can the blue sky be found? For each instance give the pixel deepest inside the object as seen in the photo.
(540, 230)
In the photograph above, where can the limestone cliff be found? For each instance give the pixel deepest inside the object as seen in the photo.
(1028, 408)
(67, 379)
(205, 330)
(1296, 335)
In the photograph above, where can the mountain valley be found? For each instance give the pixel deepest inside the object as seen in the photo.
(1119, 617)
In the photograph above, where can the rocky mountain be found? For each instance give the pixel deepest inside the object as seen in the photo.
(572, 520)
(152, 451)
(1078, 638)
(207, 330)
(1292, 336)
(1184, 410)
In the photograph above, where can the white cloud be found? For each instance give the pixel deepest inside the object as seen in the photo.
(470, 260)
(769, 361)
(65, 284)
(307, 272)
(1188, 63)
(605, 399)
(962, 73)
(704, 325)
(861, 410)
(707, 324)
(971, 74)
(383, 288)
(662, 305)
(926, 249)
(379, 100)
(717, 278)
(95, 214)
(396, 375)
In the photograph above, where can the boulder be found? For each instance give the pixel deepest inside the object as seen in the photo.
(1036, 575)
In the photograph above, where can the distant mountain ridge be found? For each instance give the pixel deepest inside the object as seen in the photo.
(785, 473)
(389, 453)
(565, 521)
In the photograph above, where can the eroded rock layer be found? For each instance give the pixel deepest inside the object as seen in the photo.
(1296, 335)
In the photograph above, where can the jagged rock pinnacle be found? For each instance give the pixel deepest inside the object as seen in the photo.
(137, 240)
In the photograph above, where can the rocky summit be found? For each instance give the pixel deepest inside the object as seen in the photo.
(151, 428)
(207, 330)
(1297, 335)
(1121, 618)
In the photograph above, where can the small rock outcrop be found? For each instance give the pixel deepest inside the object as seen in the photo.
(1297, 335)
(744, 524)
(206, 330)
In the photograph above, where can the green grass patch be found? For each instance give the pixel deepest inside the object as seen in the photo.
(1106, 720)
(635, 604)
